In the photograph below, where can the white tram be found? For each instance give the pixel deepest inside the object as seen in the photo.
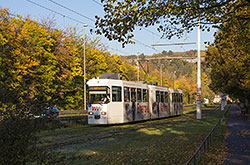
(113, 101)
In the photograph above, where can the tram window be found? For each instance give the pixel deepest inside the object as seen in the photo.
(166, 97)
(116, 94)
(99, 95)
(162, 97)
(139, 95)
(145, 95)
(157, 96)
(133, 94)
(97, 98)
(173, 97)
(126, 94)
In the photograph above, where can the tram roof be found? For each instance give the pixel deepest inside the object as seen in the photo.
(113, 82)
(175, 90)
(135, 84)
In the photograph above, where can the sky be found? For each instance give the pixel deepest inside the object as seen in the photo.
(80, 12)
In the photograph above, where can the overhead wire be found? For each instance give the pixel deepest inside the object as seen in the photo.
(94, 20)
(116, 50)
(84, 17)
(14, 15)
(72, 10)
(65, 16)
(144, 44)
(97, 2)
(73, 19)
(142, 27)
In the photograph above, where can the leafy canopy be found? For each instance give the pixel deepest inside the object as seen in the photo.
(229, 56)
(173, 17)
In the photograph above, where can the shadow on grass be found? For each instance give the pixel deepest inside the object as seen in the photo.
(164, 141)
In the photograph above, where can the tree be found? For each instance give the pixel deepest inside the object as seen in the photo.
(116, 65)
(28, 64)
(229, 57)
(41, 65)
(188, 87)
(28, 80)
(173, 18)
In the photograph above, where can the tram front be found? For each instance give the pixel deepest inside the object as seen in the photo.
(99, 98)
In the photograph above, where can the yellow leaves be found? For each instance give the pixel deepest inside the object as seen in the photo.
(187, 85)
(204, 78)
(14, 85)
(19, 78)
(3, 41)
(76, 71)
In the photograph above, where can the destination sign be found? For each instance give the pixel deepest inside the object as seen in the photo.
(97, 88)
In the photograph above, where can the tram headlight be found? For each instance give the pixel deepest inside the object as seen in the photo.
(103, 113)
(91, 113)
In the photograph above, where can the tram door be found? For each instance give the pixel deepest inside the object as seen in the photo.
(133, 100)
(153, 102)
(158, 100)
(129, 104)
(163, 105)
(171, 102)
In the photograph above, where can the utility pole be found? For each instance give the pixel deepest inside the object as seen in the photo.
(84, 63)
(138, 68)
(174, 78)
(161, 74)
(198, 111)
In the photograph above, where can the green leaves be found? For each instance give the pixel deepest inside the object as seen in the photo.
(122, 17)
(229, 56)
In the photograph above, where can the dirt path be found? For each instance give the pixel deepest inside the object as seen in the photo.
(238, 141)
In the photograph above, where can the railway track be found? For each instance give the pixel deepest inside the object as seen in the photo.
(82, 118)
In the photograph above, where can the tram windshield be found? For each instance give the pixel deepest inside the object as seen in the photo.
(99, 95)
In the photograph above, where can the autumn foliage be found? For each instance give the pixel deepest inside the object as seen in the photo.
(229, 56)
(41, 65)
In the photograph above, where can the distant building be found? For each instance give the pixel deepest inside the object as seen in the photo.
(191, 60)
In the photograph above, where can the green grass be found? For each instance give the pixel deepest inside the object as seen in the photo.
(166, 141)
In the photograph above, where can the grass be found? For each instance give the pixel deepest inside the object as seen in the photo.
(166, 141)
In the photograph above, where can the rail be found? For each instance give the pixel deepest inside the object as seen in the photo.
(205, 143)
(74, 119)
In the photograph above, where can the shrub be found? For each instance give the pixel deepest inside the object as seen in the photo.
(18, 139)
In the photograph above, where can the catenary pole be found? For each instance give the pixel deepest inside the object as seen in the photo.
(161, 74)
(84, 63)
(138, 67)
(198, 112)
